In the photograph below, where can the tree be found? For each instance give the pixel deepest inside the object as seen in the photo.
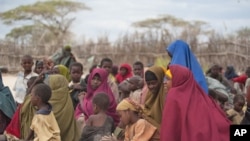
(176, 27)
(52, 16)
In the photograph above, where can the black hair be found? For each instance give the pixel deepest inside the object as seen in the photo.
(76, 64)
(105, 60)
(28, 57)
(101, 100)
(138, 63)
(43, 91)
(239, 97)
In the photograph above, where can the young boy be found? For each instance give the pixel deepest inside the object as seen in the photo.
(236, 114)
(44, 125)
(99, 124)
(20, 86)
(138, 69)
(107, 64)
(77, 85)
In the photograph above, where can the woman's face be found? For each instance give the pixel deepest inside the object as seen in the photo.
(167, 83)
(96, 81)
(153, 86)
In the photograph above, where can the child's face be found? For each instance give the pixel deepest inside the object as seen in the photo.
(124, 116)
(27, 64)
(238, 105)
(76, 74)
(34, 98)
(107, 66)
(123, 71)
(39, 68)
(138, 70)
(96, 82)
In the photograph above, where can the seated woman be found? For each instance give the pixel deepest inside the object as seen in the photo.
(97, 82)
(155, 98)
(189, 114)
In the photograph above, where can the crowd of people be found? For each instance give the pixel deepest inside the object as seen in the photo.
(125, 102)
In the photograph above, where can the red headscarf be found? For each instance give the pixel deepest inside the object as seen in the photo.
(87, 106)
(119, 77)
(189, 114)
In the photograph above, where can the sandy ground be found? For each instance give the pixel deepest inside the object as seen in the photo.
(9, 80)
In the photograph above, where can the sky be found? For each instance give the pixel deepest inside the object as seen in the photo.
(114, 17)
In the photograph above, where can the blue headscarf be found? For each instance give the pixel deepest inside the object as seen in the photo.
(182, 55)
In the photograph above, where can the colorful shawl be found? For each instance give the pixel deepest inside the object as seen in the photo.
(154, 103)
(119, 77)
(189, 114)
(87, 107)
(182, 55)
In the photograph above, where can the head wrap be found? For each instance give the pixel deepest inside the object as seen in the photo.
(128, 103)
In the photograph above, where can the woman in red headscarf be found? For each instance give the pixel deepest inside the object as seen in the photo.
(125, 72)
(189, 114)
(97, 82)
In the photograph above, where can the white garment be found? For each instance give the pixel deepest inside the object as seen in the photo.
(20, 86)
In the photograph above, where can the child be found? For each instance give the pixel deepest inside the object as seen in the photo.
(236, 114)
(98, 124)
(138, 68)
(124, 90)
(136, 84)
(38, 67)
(107, 64)
(77, 85)
(22, 78)
(125, 71)
(44, 125)
(136, 127)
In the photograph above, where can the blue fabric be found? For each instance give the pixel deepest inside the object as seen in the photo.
(7, 103)
(181, 54)
(230, 73)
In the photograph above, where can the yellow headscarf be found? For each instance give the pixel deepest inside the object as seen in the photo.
(128, 103)
(167, 72)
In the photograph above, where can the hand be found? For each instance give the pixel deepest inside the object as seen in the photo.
(81, 95)
(109, 138)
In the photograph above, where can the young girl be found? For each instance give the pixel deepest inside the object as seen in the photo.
(98, 124)
(137, 129)
(44, 125)
(125, 72)
(236, 114)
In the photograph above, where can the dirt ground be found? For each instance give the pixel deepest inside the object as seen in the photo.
(9, 80)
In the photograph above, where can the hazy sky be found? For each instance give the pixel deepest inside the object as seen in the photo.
(114, 17)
